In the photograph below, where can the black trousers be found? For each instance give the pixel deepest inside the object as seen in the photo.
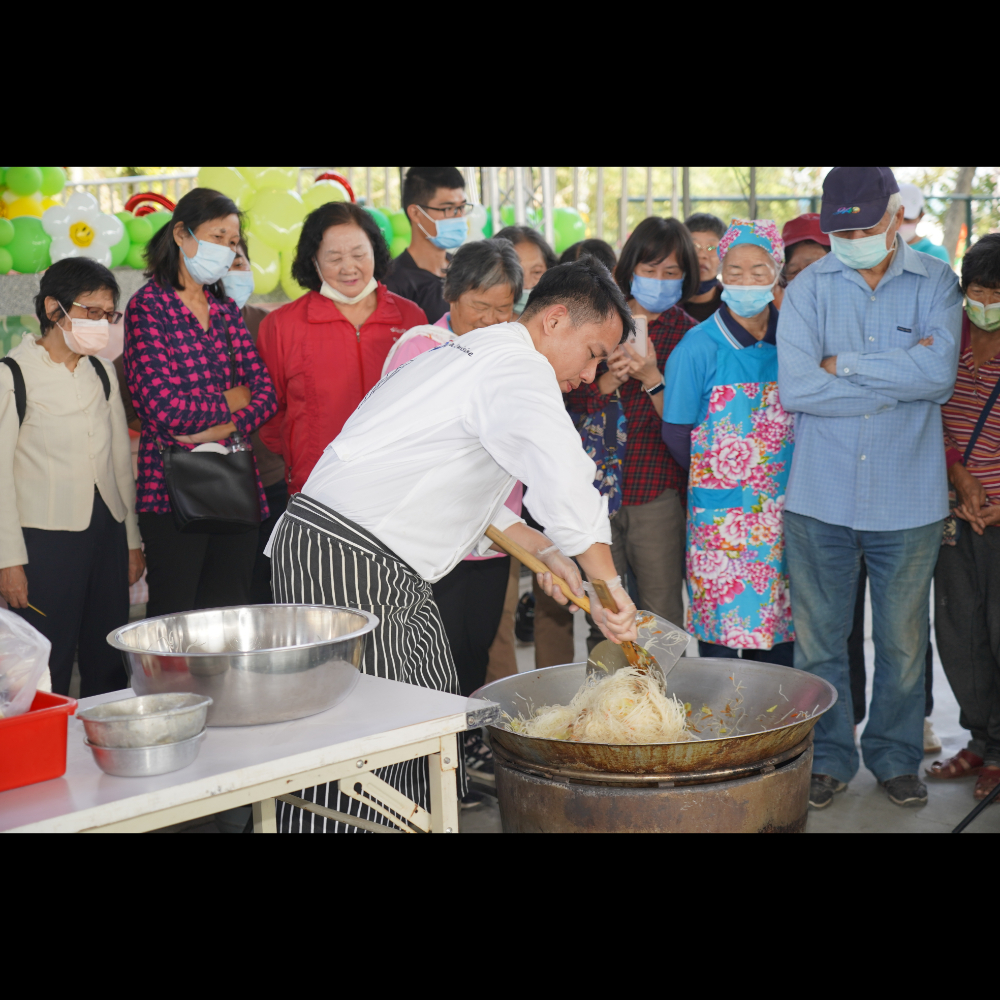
(967, 628)
(260, 585)
(471, 600)
(187, 572)
(80, 580)
(856, 656)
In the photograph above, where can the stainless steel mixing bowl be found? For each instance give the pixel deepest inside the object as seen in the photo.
(262, 663)
(143, 762)
(152, 720)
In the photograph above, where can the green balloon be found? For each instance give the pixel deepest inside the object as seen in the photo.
(53, 180)
(398, 245)
(29, 249)
(382, 220)
(120, 250)
(124, 217)
(136, 256)
(158, 220)
(569, 227)
(400, 224)
(6, 261)
(139, 230)
(24, 180)
(6, 232)
(488, 228)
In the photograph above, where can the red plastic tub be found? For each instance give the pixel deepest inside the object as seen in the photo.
(33, 745)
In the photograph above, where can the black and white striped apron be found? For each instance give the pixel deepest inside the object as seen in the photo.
(320, 557)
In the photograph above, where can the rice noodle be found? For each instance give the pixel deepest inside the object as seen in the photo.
(624, 707)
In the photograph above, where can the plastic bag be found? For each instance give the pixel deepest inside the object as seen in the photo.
(24, 661)
(665, 640)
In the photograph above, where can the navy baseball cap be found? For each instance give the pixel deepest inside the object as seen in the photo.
(855, 197)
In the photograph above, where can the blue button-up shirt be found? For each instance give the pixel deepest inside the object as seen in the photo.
(869, 451)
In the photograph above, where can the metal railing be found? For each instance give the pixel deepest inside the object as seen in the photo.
(112, 192)
(529, 192)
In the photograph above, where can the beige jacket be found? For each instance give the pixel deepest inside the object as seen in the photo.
(71, 439)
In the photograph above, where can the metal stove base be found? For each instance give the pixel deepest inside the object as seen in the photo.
(773, 798)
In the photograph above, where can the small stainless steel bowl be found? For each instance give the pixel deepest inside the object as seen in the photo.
(152, 720)
(142, 762)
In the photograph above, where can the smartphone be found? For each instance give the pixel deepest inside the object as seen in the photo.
(638, 340)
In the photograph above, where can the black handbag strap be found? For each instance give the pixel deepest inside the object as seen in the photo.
(20, 393)
(102, 375)
(981, 423)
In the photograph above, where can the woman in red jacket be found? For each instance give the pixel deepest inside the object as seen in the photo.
(325, 350)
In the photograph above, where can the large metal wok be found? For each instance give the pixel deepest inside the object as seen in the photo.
(765, 710)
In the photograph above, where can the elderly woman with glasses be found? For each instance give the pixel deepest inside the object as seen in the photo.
(69, 540)
(723, 422)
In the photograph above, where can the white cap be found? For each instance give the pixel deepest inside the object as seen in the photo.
(913, 200)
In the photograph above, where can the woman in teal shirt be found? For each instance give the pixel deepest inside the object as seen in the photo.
(723, 421)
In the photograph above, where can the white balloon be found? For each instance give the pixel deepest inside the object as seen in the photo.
(56, 220)
(83, 206)
(109, 229)
(63, 247)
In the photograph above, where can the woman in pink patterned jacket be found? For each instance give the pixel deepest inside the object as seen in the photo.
(177, 332)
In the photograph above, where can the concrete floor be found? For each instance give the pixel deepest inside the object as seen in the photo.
(864, 807)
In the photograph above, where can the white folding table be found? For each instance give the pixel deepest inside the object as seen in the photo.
(380, 723)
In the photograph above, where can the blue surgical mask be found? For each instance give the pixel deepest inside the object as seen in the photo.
(239, 286)
(211, 261)
(657, 294)
(869, 251)
(522, 303)
(748, 300)
(451, 233)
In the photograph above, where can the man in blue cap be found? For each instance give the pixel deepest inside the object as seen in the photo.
(868, 349)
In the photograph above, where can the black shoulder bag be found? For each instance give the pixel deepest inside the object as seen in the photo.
(212, 494)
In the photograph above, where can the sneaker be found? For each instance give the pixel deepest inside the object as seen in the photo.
(931, 742)
(472, 800)
(822, 788)
(906, 790)
(524, 618)
(478, 755)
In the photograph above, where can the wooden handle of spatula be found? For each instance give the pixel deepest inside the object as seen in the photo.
(535, 565)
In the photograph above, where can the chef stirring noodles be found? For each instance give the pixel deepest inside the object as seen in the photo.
(623, 707)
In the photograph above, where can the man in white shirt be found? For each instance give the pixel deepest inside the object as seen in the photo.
(423, 466)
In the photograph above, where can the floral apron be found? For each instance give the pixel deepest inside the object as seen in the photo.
(741, 454)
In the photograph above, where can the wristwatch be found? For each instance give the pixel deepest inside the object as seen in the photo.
(656, 388)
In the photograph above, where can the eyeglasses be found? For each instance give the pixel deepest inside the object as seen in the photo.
(97, 313)
(451, 212)
(698, 246)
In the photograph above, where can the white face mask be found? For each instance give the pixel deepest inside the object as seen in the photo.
(908, 230)
(85, 336)
(330, 292)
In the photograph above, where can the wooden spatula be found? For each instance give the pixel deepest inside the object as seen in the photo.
(636, 655)
(536, 565)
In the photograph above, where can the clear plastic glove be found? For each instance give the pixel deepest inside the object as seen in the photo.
(617, 626)
(559, 565)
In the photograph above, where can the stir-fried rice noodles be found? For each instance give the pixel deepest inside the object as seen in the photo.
(623, 707)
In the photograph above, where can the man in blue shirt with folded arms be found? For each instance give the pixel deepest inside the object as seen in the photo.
(868, 343)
